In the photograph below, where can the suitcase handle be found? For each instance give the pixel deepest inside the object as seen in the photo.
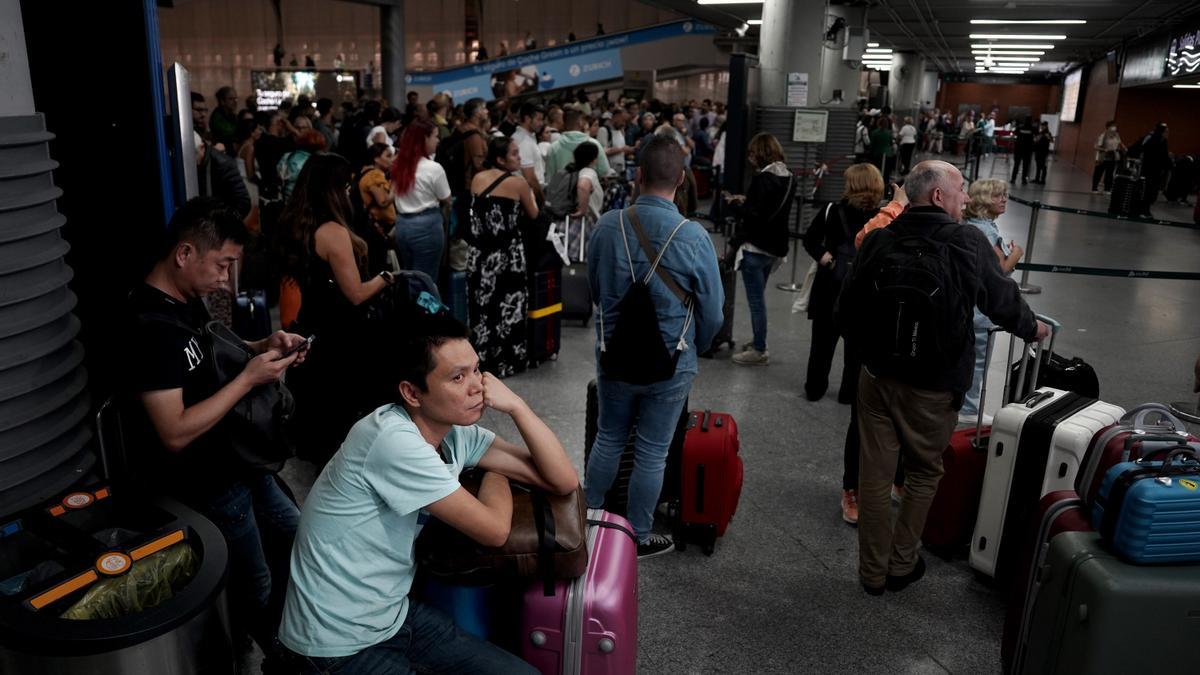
(1158, 442)
(987, 361)
(1038, 348)
(1182, 450)
(705, 419)
(1138, 416)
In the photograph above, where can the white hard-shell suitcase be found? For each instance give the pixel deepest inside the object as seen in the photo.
(1037, 447)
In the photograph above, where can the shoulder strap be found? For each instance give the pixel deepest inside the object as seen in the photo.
(787, 197)
(656, 257)
(495, 184)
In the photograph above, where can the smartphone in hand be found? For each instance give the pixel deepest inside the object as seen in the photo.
(300, 346)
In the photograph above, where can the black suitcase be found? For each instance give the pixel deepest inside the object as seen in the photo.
(725, 335)
(576, 293)
(545, 316)
(1127, 194)
(1059, 372)
(617, 499)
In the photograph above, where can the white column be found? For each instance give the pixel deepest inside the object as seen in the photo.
(791, 41)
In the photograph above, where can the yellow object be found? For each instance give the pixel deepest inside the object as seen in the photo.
(545, 311)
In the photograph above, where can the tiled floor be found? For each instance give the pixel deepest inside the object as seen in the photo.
(781, 594)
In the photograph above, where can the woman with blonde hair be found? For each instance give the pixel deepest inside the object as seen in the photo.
(761, 239)
(989, 199)
(830, 242)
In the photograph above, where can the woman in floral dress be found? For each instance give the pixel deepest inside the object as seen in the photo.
(497, 275)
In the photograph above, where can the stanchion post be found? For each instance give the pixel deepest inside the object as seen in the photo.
(1025, 286)
(792, 286)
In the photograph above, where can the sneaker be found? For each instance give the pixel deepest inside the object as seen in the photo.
(896, 584)
(850, 506)
(872, 590)
(657, 544)
(752, 357)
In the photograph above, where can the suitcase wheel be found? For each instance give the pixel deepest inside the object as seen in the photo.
(710, 547)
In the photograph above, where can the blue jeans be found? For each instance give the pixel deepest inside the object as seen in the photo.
(655, 408)
(421, 240)
(756, 267)
(259, 522)
(970, 406)
(428, 642)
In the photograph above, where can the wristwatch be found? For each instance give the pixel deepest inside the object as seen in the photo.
(387, 277)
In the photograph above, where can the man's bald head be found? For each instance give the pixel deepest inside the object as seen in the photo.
(937, 183)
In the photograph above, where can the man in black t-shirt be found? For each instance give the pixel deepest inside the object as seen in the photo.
(187, 454)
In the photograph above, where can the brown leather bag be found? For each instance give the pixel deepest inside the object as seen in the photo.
(548, 540)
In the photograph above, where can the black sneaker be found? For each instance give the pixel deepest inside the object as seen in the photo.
(897, 584)
(657, 544)
(872, 590)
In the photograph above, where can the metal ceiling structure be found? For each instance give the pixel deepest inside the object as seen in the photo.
(942, 30)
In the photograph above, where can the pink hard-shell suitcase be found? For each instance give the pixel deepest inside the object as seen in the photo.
(589, 625)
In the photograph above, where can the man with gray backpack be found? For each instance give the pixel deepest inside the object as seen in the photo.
(654, 276)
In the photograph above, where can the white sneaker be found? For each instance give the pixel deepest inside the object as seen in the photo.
(752, 357)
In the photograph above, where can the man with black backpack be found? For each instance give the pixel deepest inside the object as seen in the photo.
(200, 445)
(906, 308)
(655, 279)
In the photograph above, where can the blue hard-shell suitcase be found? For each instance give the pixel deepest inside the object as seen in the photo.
(1149, 511)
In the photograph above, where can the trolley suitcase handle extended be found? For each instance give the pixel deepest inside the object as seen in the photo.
(1039, 347)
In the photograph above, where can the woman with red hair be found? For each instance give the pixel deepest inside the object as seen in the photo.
(421, 192)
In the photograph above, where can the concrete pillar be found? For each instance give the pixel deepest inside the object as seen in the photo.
(904, 84)
(791, 41)
(16, 89)
(391, 42)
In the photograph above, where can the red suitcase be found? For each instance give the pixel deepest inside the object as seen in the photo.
(1145, 428)
(710, 480)
(1061, 511)
(951, 519)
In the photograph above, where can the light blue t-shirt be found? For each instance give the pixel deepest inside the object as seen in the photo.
(992, 232)
(352, 563)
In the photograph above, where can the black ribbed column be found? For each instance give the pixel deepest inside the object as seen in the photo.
(44, 434)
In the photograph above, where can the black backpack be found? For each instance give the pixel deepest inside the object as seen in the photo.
(903, 306)
(257, 426)
(562, 196)
(636, 353)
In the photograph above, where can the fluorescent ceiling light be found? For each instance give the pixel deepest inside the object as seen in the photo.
(1007, 52)
(1014, 36)
(754, 22)
(1036, 21)
(1185, 86)
(1018, 59)
(872, 44)
(879, 50)
(729, 2)
(986, 45)
(1008, 70)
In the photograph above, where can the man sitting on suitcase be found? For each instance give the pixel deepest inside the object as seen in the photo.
(652, 323)
(347, 607)
(906, 308)
(188, 450)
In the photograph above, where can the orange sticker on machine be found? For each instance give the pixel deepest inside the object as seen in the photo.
(1189, 483)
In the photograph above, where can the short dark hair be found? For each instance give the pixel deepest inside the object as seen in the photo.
(207, 223)
(585, 153)
(661, 163)
(471, 107)
(571, 118)
(529, 109)
(197, 97)
(223, 92)
(415, 360)
(324, 105)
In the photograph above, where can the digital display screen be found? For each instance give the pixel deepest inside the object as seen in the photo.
(1070, 102)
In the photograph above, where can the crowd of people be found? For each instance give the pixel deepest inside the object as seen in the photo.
(389, 387)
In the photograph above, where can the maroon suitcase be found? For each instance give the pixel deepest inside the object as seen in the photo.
(951, 519)
(1061, 511)
(710, 479)
(1147, 427)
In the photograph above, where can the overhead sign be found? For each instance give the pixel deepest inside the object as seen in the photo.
(568, 65)
(1183, 54)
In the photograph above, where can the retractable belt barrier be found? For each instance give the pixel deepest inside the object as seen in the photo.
(1026, 267)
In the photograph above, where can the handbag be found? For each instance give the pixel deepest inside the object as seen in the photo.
(547, 541)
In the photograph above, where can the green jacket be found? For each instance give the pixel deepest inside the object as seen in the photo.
(562, 153)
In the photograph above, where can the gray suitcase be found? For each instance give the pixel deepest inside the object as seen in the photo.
(1095, 614)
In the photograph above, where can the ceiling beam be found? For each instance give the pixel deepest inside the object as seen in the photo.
(705, 13)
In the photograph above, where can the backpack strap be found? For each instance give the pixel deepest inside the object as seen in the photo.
(656, 257)
(495, 184)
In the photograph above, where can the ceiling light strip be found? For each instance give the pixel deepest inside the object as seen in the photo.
(986, 45)
(1014, 36)
(979, 22)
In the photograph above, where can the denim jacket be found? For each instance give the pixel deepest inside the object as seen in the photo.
(691, 260)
